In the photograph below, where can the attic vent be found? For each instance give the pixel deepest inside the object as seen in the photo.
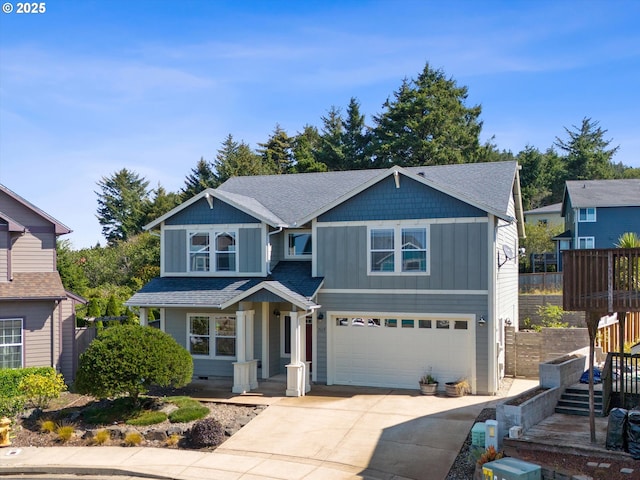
(421, 174)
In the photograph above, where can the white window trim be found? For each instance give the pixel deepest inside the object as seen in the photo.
(212, 336)
(213, 232)
(587, 219)
(287, 255)
(593, 239)
(21, 344)
(397, 244)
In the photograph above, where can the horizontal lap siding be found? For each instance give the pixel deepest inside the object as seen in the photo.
(37, 317)
(34, 253)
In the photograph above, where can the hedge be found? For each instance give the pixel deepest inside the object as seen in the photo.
(10, 378)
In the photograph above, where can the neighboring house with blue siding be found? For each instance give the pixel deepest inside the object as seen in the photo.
(597, 212)
(368, 277)
(37, 315)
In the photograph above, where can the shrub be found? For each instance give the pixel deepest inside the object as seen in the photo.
(188, 414)
(40, 389)
(147, 418)
(115, 411)
(47, 426)
(10, 378)
(11, 406)
(129, 359)
(132, 439)
(174, 439)
(489, 455)
(206, 433)
(101, 437)
(65, 432)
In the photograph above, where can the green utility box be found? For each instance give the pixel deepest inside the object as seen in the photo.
(511, 469)
(477, 435)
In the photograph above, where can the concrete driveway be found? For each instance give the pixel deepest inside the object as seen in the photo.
(365, 432)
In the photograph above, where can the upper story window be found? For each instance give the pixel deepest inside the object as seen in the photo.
(220, 258)
(11, 343)
(298, 244)
(398, 250)
(586, 214)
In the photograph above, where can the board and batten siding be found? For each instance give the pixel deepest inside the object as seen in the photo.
(175, 250)
(457, 253)
(417, 304)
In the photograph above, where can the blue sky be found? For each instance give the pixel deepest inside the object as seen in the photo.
(90, 87)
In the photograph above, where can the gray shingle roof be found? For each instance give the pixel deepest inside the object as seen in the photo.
(296, 197)
(553, 208)
(604, 193)
(290, 279)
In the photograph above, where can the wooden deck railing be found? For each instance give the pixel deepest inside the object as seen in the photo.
(601, 280)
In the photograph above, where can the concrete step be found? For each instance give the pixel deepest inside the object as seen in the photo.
(584, 412)
(581, 398)
(563, 402)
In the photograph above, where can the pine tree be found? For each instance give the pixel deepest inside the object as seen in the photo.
(122, 205)
(201, 178)
(427, 123)
(237, 159)
(305, 146)
(355, 137)
(331, 151)
(277, 151)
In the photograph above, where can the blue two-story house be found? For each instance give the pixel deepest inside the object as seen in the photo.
(597, 212)
(369, 277)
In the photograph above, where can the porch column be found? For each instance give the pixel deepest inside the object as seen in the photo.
(144, 316)
(296, 369)
(245, 368)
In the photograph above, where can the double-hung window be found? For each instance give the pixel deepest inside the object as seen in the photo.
(586, 214)
(11, 343)
(586, 242)
(212, 336)
(398, 250)
(213, 251)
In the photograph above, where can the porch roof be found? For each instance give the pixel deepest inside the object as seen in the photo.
(290, 281)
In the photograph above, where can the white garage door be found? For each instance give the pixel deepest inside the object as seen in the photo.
(396, 350)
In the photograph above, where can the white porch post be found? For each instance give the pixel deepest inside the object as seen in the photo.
(245, 368)
(296, 369)
(144, 316)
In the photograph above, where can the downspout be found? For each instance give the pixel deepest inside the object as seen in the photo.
(491, 323)
(268, 255)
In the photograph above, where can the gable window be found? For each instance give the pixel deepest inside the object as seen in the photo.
(398, 250)
(220, 258)
(11, 343)
(586, 242)
(199, 252)
(212, 335)
(226, 252)
(586, 214)
(298, 244)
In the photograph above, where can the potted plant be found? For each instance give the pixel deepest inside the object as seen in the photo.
(428, 384)
(458, 388)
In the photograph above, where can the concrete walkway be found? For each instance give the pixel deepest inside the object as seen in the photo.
(332, 433)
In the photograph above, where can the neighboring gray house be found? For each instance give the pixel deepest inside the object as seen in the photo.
(549, 215)
(597, 212)
(368, 277)
(37, 315)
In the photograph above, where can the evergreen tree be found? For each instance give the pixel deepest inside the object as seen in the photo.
(355, 137)
(161, 203)
(122, 205)
(427, 123)
(201, 178)
(540, 177)
(587, 156)
(237, 159)
(331, 151)
(277, 151)
(305, 146)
